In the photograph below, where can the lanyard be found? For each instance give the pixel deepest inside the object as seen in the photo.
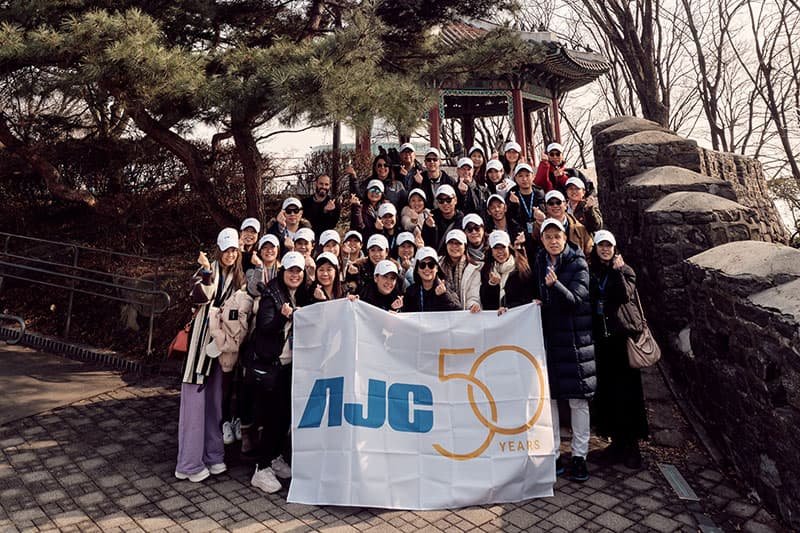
(528, 207)
(421, 299)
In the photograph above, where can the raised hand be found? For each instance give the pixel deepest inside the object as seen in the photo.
(462, 186)
(513, 198)
(494, 278)
(288, 243)
(378, 224)
(440, 288)
(319, 294)
(397, 304)
(330, 206)
(352, 269)
(550, 278)
(418, 177)
(286, 310)
(617, 263)
(256, 261)
(538, 215)
(202, 260)
(281, 218)
(355, 201)
(474, 308)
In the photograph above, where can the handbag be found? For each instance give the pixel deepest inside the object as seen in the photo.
(644, 351)
(180, 344)
(265, 378)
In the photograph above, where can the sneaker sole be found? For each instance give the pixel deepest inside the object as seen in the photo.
(578, 479)
(218, 471)
(265, 489)
(194, 478)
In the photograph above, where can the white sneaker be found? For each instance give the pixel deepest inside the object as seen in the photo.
(218, 468)
(194, 478)
(265, 480)
(281, 469)
(227, 433)
(237, 428)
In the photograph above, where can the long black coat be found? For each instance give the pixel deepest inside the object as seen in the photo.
(567, 324)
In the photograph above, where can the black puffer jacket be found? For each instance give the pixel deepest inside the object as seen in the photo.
(269, 336)
(567, 324)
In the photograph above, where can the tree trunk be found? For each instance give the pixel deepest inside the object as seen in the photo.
(197, 168)
(253, 167)
(43, 167)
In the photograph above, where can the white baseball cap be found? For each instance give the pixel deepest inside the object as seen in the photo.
(554, 146)
(329, 235)
(375, 183)
(466, 161)
(521, 167)
(552, 222)
(554, 194)
(471, 218)
(446, 190)
(497, 237)
(386, 267)
(353, 233)
(329, 257)
(495, 197)
(420, 193)
(268, 238)
(305, 234)
(426, 252)
(434, 151)
(293, 259)
(475, 148)
(292, 201)
(378, 240)
(456, 234)
(494, 164)
(576, 182)
(386, 208)
(406, 146)
(604, 235)
(228, 238)
(404, 237)
(511, 145)
(251, 223)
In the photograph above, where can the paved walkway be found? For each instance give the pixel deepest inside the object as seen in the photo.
(106, 463)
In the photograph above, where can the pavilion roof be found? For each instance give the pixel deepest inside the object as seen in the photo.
(551, 63)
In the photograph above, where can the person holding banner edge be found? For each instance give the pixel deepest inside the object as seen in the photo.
(562, 284)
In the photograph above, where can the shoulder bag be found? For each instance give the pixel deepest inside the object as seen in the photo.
(644, 350)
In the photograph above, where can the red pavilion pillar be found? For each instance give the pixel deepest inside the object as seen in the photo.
(519, 120)
(435, 125)
(556, 119)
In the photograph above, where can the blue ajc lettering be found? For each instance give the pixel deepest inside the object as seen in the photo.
(402, 398)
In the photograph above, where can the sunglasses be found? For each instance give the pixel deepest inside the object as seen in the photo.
(431, 159)
(472, 227)
(381, 165)
(429, 265)
(555, 152)
(554, 202)
(444, 200)
(292, 211)
(374, 190)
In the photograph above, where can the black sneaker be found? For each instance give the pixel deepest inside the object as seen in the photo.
(633, 458)
(578, 470)
(560, 466)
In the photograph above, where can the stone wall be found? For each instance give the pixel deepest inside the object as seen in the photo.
(729, 330)
(742, 372)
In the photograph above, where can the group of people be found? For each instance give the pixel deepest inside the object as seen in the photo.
(495, 236)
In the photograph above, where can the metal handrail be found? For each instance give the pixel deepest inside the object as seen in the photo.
(72, 275)
(21, 329)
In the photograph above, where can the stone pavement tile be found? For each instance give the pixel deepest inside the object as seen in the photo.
(648, 503)
(247, 526)
(134, 500)
(174, 503)
(201, 525)
(152, 524)
(520, 518)
(661, 523)
(476, 515)
(338, 529)
(754, 526)
(614, 521)
(567, 519)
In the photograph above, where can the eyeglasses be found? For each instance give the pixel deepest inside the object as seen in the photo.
(444, 200)
(555, 153)
(292, 211)
(554, 202)
(430, 265)
(381, 165)
(431, 159)
(472, 227)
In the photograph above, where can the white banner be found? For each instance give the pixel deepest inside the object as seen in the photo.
(419, 410)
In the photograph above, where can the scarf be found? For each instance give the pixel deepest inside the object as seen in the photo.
(476, 253)
(504, 270)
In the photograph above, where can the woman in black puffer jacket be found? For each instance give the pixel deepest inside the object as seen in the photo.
(268, 370)
(562, 277)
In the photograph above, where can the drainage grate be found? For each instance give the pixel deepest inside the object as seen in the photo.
(73, 351)
(678, 482)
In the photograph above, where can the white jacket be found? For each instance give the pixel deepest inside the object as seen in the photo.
(229, 333)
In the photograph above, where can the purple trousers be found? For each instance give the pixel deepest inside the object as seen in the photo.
(199, 431)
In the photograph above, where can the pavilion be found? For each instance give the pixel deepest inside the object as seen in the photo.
(552, 70)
